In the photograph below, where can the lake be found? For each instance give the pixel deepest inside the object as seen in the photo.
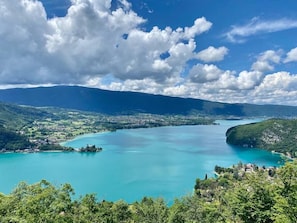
(159, 162)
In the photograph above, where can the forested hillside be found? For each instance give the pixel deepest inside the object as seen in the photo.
(10, 140)
(119, 102)
(279, 135)
(242, 194)
(14, 117)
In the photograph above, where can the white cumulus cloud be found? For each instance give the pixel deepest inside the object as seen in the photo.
(291, 56)
(212, 54)
(90, 42)
(201, 73)
(200, 25)
(277, 88)
(266, 60)
(99, 46)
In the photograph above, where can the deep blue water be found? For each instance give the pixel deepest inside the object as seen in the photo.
(134, 163)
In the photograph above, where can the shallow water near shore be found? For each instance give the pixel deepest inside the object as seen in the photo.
(159, 162)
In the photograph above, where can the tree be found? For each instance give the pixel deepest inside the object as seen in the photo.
(252, 199)
(199, 211)
(150, 210)
(286, 198)
(121, 212)
(40, 202)
(177, 212)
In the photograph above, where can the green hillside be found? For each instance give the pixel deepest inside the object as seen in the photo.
(10, 140)
(279, 135)
(47, 127)
(14, 117)
(12, 120)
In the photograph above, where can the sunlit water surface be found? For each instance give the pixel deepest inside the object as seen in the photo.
(161, 162)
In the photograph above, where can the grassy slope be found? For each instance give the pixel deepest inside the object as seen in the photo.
(14, 117)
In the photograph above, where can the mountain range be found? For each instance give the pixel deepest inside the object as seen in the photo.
(119, 102)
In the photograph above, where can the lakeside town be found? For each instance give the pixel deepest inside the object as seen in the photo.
(65, 124)
(44, 129)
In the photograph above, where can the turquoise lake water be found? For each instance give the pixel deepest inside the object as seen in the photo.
(161, 162)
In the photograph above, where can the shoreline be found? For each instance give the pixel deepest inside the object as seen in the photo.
(62, 142)
(49, 151)
(289, 157)
(84, 135)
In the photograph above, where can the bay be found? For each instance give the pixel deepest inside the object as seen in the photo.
(158, 162)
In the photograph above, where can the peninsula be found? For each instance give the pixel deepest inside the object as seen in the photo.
(276, 135)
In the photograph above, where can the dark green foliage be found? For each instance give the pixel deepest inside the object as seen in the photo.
(14, 117)
(41, 202)
(91, 149)
(121, 211)
(177, 212)
(278, 135)
(219, 170)
(151, 210)
(253, 199)
(49, 147)
(11, 141)
(199, 210)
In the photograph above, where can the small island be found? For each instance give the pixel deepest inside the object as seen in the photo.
(90, 149)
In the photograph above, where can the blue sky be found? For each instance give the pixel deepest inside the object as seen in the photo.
(229, 51)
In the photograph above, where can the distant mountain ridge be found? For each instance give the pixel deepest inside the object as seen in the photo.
(118, 102)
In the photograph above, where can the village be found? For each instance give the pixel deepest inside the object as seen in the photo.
(67, 124)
